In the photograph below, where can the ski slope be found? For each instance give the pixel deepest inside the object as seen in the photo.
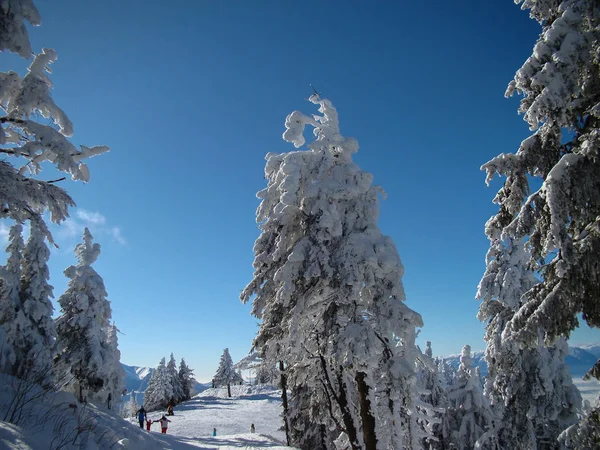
(54, 420)
(192, 424)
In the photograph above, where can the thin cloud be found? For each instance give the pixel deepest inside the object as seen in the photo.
(72, 228)
(91, 218)
(116, 234)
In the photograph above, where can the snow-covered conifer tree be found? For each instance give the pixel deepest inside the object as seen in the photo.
(186, 379)
(175, 382)
(586, 433)
(226, 374)
(433, 401)
(130, 407)
(160, 391)
(23, 102)
(327, 288)
(560, 221)
(84, 359)
(10, 299)
(529, 386)
(33, 129)
(37, 333)
(470, 419)
(115, 381)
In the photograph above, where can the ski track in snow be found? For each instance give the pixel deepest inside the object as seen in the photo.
(192, 424)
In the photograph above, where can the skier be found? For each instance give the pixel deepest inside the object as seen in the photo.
(214, 431)
(141, 415)
(252, 428)
(148, 423)
(170, 409)
(164, 423)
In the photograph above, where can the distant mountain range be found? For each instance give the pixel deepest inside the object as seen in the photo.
(579, 360)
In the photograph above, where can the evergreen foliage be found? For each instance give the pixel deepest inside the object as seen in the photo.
(186, 379)
(33, 130)
(585, 434)
(529, 387)
(327, 288)
(433, 401)
(10, 300)
(175, 381)
(115, 381)
(27, 135)
(471, 421)
(130, 407)
(560, 221)
(37, 333)
(13, 32)
(84, 359)
(226, 374)
(160, 390)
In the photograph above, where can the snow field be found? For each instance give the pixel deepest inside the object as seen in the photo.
(193, 421)
(51, 422)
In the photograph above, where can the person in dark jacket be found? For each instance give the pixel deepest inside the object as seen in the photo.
(141, 415)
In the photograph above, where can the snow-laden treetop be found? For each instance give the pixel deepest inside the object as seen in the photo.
(87, 252)
(327, 129)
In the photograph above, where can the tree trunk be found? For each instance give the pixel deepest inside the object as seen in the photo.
(368, 421)
(285, 403)
(229, 389)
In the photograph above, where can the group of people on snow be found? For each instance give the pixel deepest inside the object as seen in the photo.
(143, 418)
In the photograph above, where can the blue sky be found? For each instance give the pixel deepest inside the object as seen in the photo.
(190, 96)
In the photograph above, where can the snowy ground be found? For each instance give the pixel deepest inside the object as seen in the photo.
(194, 420)
(51, 422)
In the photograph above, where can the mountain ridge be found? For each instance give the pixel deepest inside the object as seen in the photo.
(579, 359)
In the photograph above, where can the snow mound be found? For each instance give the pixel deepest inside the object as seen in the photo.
(53, 420)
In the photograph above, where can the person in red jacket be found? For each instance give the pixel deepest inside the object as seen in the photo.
(164, 423)
(148, 423)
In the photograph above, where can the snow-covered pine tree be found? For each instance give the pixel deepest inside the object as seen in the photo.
(115, 381)
(25, 132)
(529, 387)
(27, 135)
(447, 373)
(327, 288)
(471, 420)
(82, 327)
(433, 401)
(307, 415)
(160, 391)
(10, 299)
(173, 374)
(130, 407)
(560, 221)
(186, 379)
(226, 375)
(586, 433)
(37, 334)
